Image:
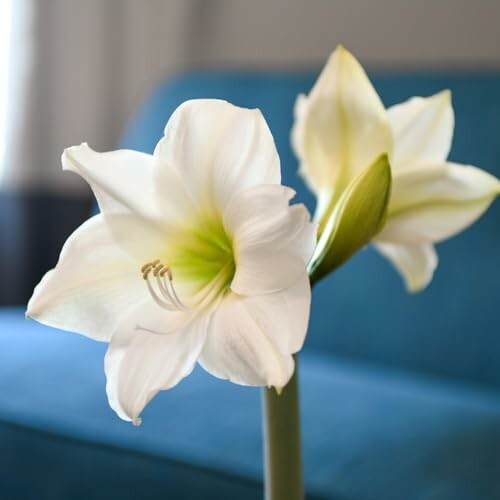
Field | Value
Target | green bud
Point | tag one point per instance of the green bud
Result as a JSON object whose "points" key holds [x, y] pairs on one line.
{"points": [[358, 215]]}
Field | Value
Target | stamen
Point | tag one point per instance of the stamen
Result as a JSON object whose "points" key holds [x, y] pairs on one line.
{"points": [[163, 289], [160, 302], [148, 266], [167, 271], [146, 272], [174, 293], [157, 269], [167, 297]]}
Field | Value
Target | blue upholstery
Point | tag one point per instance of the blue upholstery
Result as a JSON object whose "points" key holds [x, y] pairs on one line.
{"points": [[400, 393], [367, 433]]}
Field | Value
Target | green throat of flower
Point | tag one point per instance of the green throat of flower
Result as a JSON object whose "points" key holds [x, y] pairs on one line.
{"points": [[199, 257]]}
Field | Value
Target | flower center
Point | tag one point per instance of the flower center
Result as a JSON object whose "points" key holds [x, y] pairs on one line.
{"points": [[199, 258]]}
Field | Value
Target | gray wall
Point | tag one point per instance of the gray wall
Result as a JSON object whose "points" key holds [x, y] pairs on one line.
{"points": [[92, 61], [394, 33]]}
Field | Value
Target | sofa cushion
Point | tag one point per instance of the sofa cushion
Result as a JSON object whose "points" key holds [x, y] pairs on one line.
{"points": [[368, 434]]}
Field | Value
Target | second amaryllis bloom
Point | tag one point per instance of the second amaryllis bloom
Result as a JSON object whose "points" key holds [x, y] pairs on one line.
{"points": [[196, 256], [341, 130]]}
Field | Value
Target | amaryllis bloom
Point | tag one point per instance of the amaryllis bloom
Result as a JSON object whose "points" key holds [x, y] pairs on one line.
{"points": [[196, 256], [342, 127]]}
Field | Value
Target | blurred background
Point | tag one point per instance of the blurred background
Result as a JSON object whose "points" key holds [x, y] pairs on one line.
{"points": [[73, 71]]}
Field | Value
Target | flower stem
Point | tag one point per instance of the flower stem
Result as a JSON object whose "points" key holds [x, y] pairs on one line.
{"points": [[282, 448]]}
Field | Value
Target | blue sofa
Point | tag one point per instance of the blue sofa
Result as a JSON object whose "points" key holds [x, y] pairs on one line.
{"points": [[400, 393]]}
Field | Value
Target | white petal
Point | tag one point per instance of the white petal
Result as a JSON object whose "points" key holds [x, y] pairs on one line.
{"points": [[297, 135], [176, 198], [142, 239], [415, 263], [251, 339], [422, 128], [341, 127], [434, 202], [122, 181], [218, 149], [140, 363], [92, 286], [272, 241]]}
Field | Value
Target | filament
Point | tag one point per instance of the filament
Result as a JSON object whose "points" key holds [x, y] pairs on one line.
{"points": [[161, 290]]}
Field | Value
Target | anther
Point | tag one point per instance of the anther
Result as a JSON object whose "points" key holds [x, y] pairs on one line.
{"points": [[146, 267], [157, 269], [167, 297], [168, 272], [146, 271]]}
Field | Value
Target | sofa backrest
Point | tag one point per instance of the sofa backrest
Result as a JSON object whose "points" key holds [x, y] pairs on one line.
{"points": [[363, 311]]}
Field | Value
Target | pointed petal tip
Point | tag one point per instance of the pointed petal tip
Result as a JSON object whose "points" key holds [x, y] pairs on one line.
{"points": [[415, 263], [342, 54], [31, 312], [68, 156], [444, 98], [75, 147], [341, 50], [326, 157], [445, 94], [417, 286], [136, 421], [339, 58], [414, 288]]}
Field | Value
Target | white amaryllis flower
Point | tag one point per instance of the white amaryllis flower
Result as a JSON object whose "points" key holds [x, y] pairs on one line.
{"points": [[196, 256], [342, 127]]}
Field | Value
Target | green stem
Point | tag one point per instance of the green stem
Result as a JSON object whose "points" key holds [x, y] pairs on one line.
{"points": [[282, 448]]}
